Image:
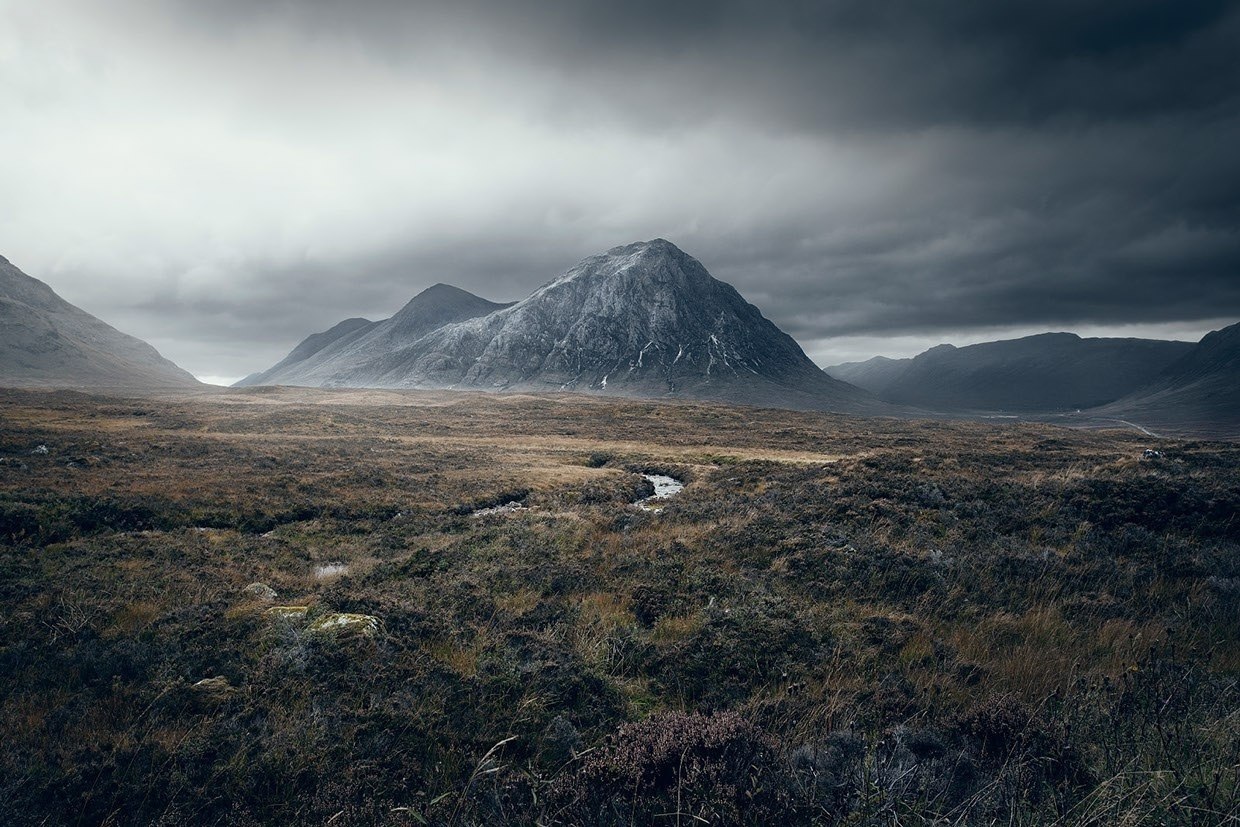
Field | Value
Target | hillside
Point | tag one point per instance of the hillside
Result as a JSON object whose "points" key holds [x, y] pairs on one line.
{"points": [[47, 342], [1198, 394], [1043, 373]]}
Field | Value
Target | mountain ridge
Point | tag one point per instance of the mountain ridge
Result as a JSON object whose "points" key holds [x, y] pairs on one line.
{"points": [[1045, 372], [311, 361], [643, 319], [47, 342]]}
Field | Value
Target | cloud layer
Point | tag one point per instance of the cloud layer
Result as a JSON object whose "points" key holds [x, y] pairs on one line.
{"points": [[224, 178]]}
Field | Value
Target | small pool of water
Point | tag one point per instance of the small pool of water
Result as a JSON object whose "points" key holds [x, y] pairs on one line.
{"points": [[664, 487]]}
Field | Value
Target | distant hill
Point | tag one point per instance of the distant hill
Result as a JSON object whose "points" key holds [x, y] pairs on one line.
{"points": [[47, 342], [875, 375], [1036, 374], [644, 319], [1198, 394]]}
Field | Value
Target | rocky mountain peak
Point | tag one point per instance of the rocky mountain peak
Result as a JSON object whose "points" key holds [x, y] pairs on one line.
{"points": [[641, 319], [648, 251], [441, 292], [435, 306]]}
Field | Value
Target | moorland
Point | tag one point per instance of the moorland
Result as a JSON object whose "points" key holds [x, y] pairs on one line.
{"points": [[292, 606]]}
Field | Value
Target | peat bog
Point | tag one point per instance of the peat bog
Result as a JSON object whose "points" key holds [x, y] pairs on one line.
{"points": [[278, 606]]}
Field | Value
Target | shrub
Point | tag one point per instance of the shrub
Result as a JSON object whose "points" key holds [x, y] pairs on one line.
{"points": [[599, 458], [706, 768]]}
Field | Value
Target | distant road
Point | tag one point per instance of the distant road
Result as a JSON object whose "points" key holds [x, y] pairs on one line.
{"points": [[1140, 428]]}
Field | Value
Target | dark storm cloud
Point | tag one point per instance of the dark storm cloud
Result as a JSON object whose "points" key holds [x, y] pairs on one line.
{"points": [[1129, 213], [854, 168], [838, 65], [1113, 224]]}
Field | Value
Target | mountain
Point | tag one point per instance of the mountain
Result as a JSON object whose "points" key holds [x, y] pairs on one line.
{"points": [[47, 342], [1043, 373], [357, 344], [1198, 394], [642, 320], [875, 375]]}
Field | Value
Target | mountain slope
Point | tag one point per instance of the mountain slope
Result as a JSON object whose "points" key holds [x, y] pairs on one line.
{"points": [[1198, 394], [1043, 373], [315, 342], [309, 346], [356, 342], [644, 319], [47, 342]]}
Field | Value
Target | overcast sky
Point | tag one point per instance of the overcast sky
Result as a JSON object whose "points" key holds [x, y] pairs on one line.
{"points": [[222, 178]]}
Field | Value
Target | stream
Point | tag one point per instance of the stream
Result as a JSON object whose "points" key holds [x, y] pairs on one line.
{"points": [[664, 487]]}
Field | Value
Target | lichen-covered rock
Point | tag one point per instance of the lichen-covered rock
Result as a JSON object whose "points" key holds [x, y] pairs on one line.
{"points": [[345, 623], [261, 591]]}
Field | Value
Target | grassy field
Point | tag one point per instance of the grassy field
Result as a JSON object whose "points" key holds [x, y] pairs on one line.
{"points": [[838, 621]]}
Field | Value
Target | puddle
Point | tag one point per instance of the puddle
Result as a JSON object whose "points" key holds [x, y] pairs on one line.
{"points": [[664, 487], [333, 569]]}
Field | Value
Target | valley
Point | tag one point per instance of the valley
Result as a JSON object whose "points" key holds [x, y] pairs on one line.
{"points": [[560, 414]]}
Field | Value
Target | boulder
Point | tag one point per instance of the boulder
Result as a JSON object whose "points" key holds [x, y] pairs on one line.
{"points": [[261, 591], [345, 623]]}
